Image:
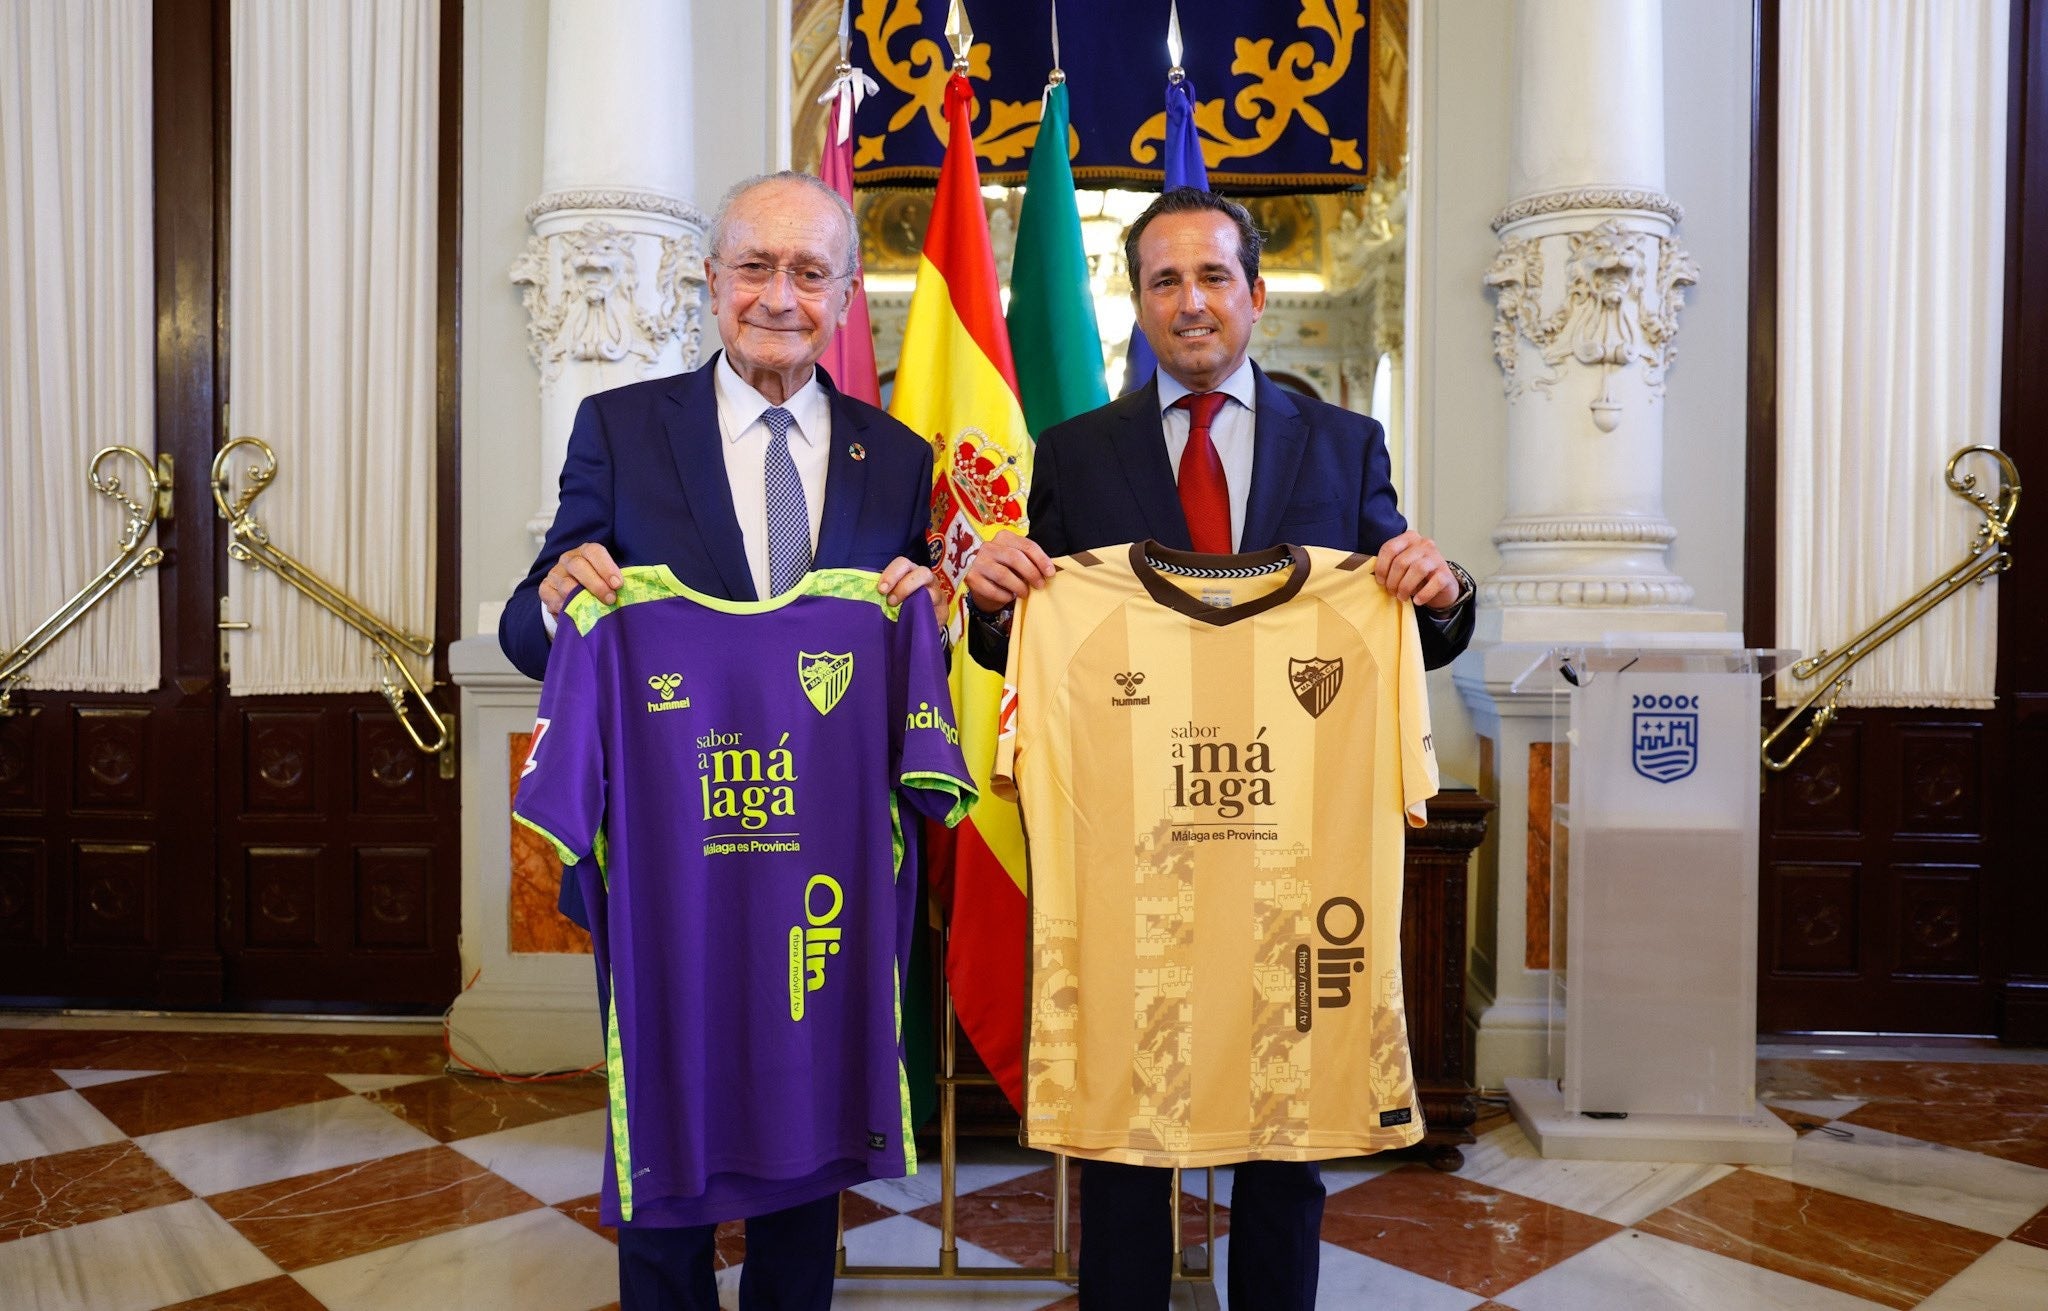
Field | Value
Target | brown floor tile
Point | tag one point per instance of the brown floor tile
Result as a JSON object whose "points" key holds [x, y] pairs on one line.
{"points": [[307, 1053], [316, 1218], [855, 1210], [1856, 1247], [1805, 1122], [1014, 1219], [280, 1294], [585, 1211], [1482, 1240], [1923, 1083], [44, 1193], [28, 1083], [453, 1107], [2034, 1231], [731, 1244], [2016, 1133], [177, 1101]]}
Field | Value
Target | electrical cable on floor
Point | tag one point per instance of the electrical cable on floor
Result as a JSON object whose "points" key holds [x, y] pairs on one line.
{"points": [[482, 1072]]}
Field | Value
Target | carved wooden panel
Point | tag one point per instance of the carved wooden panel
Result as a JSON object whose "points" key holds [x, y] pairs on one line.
{"points": [[20, 782], [281, 768], [1939, 929], [23, 883], [1823, 790], [1536, 903], [390, 772], [113, 894], [394, 907], [1815, 925], [110, 758], [1941, 788], [281, 906]]}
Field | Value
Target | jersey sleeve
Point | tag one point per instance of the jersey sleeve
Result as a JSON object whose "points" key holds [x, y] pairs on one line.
{"points": [[931, 772], [562, 785], [1418, 750]]}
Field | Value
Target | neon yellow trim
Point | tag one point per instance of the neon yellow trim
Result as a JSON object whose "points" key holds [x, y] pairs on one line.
{"points": [[964, 793], [903, 1082], [602, 851], [562, 851], [657, 582], [615, 1080]]}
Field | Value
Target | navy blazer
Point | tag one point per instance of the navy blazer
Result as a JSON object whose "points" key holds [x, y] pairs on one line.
{"points": [[645, 476], [1320, 477]]}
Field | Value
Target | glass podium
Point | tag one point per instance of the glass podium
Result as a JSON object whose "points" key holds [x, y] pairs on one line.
{"points": [[1655, 784]]}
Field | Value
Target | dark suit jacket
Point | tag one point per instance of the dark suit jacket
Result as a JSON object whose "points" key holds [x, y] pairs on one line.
{"points": [[645, 476], [1320, 477]]}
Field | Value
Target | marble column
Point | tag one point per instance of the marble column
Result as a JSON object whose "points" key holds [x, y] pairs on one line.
{"points": [[611, 279], [1589, 281]]}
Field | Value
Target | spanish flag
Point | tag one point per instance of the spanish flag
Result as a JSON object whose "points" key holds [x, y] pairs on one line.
{"points": [[957, 385]]}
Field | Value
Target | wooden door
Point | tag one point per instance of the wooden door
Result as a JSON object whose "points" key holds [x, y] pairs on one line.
{"points": [[185, 848]]}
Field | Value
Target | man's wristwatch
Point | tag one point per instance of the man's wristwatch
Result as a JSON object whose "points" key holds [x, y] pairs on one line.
{"points": [[1466, 587]]}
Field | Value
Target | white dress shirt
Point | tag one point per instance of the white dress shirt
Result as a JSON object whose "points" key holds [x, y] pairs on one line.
{"points": [[1230, 432], [745, 444]]}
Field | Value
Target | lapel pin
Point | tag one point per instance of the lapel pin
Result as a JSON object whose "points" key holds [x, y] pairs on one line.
{"points": [[857, 451]]}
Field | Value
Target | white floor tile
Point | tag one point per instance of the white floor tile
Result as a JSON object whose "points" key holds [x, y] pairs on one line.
{"points": [[929, 1295], [2009, 1277], [555, 1160], [535, 1261], [255, 1149], [50, 1123], [93, 1078], [144, 1259], [1821, 1111], [900, 1240], [1339, 1175], [1984, 1193], [1351, 1280], [1634, 1271], [1621, 1191]]}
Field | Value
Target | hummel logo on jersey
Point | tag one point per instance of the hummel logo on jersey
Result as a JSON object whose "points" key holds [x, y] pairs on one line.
{"points": [[1130, 683], [666, 684], [1315, 683], [825, 676]]}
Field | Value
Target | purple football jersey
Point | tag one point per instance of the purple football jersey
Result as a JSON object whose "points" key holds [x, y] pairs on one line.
{"points": [[740, 770]]}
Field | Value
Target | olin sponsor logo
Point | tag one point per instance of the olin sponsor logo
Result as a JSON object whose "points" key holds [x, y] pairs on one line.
{"points": [[666, 685], [813, 940], [1339, 922]]}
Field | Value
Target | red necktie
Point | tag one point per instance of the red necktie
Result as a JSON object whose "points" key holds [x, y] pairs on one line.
{"points": [[1204, 491]]}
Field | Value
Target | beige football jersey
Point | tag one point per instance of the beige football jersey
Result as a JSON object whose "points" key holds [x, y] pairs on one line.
{"points": [[1214, 760]]}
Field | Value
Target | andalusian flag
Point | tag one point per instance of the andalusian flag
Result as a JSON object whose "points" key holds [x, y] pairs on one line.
{"points": [[956, 385], [1052, 308]]}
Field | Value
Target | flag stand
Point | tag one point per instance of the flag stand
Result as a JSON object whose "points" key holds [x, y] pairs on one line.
{"points": [[1190, 1265]]}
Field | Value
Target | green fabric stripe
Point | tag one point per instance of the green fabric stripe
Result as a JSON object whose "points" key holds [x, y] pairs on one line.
{"points": [[903, 1084], [615, 1079], [963, 792], [1051, 306], [562, 852], [602, 852]]}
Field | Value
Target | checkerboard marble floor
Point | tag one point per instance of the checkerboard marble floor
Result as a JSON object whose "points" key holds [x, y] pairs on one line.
{"points": [[340, 1166]]}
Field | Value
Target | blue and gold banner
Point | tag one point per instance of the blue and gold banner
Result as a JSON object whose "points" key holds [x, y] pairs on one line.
{"points": [[1284, 88]]}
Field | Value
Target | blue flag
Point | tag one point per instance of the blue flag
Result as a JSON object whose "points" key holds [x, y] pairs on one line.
{"points": [[1184, 168]]}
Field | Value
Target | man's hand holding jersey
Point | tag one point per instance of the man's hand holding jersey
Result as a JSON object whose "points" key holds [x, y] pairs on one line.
{"points": [[591, 567]]}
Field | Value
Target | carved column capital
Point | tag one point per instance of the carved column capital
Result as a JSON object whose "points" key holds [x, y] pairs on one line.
{"points": [[585, 303]]}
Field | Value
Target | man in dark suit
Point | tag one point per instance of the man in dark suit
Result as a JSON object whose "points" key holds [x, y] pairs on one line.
{"points": [[740, 477], [1210, 456]]}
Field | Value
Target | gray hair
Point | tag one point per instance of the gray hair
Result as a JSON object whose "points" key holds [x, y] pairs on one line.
{"points": [[741, 188]]}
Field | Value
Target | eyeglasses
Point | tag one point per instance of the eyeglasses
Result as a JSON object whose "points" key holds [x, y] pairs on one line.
{"points": [[808, 280]]}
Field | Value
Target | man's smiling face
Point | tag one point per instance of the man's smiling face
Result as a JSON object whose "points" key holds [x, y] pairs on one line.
{"points": [[775, 330], [1194, 305]]}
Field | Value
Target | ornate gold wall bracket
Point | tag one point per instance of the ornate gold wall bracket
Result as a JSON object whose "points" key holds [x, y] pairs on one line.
{"points": [[138, 554], [1989, 556], [250, 543]]}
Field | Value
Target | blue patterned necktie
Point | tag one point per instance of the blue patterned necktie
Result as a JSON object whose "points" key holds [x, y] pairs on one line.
{"points": [[789, 521]]}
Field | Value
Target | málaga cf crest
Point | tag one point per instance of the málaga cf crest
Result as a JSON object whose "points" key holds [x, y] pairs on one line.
{"points": [[1315, 683], [824, 676]]}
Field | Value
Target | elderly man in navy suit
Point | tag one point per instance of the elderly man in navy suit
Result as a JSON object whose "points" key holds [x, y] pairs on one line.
{"points": [[739, 477], [1210, 456]]}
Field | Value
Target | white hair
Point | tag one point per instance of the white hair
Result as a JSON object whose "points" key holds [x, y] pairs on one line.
{"points": [[741, 188]]}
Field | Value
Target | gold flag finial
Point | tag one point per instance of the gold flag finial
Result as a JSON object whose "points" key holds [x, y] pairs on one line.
{"points": [[1173, 46], [845, 36], [959, 34]]}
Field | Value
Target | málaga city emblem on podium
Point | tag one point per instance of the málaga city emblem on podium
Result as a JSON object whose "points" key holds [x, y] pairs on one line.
{"points": [[1315, 683], [1666, 737], [825, 675]]}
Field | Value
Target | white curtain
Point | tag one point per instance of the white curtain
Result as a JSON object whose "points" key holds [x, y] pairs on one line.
{"points": [[77, 327], [331, 269], [1891, 244]]}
